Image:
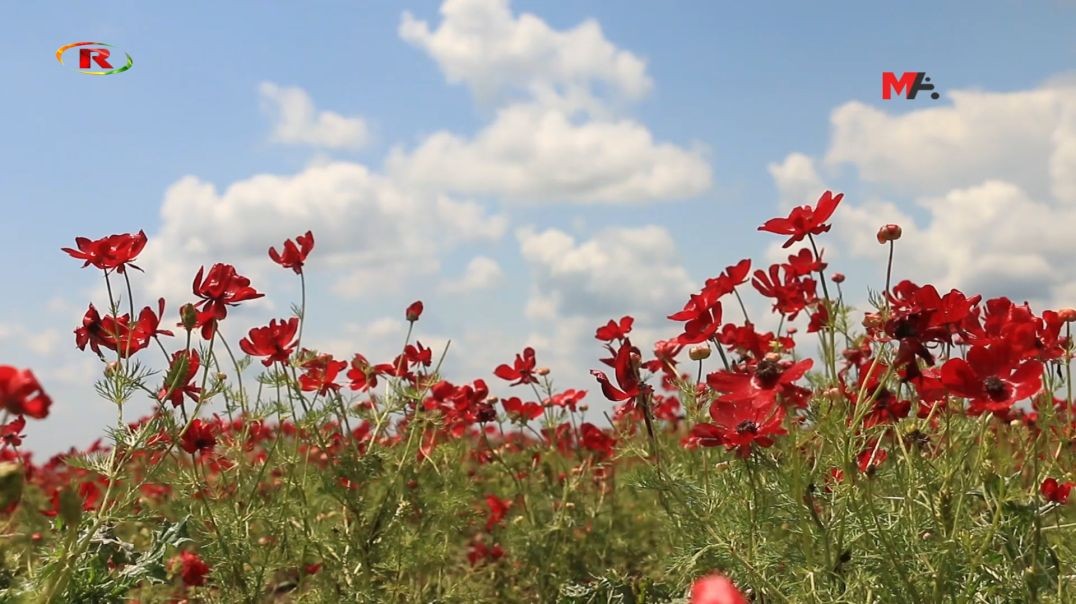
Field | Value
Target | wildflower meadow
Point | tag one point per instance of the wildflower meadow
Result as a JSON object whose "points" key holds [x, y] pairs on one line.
{"points": [[919, 449]]}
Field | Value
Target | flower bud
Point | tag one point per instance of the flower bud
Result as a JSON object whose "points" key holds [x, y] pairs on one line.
{"points": [[700, 352], [890, 232], [543, 371], [1067, 315], [838, 277], [188, 314], [414, 311]]}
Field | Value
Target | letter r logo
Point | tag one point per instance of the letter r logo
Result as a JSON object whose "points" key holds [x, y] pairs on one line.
{"points": [[97, 55]]}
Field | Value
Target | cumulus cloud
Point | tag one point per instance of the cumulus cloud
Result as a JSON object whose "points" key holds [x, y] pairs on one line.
{"points": [[482, 272], [984, 188], [481, 44], [1025, 137], [532, 153], [558, 133], [992, 238], [364, 224], [797, 180], [618, 271], [296, 121]]}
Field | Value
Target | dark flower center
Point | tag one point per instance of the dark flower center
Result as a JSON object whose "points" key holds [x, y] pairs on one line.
{"points": [[747, 426], [768, 372], [995, 388]]}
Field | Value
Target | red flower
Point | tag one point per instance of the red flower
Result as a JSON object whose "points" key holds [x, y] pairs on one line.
{"points": [[522, 371], [1056, 492], [768, 379], [805, 220], [497, 509], [740, 424], [520, 411], [615, 330], [320, 376], [192, 569], [177, 382], [569, 398], [117, 333], [275, 342], [702, 316], [11, 433], [222, 287], [595, 439], [870, 458], [21, 394], [363, 375], [716, 589], [991, 378], [294, 255], [112, 252], [414, 311], [627, 376], [198, 437]]}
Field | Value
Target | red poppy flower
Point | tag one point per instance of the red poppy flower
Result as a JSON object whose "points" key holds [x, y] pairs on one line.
{"points": [[1055, 491], [991, 379], [497, 509], [295, 252], [320, 375], [791, 294], [220, 288], [716, 589], [871, 458], [805, 220], [276, 341], [11, 433], [569, 398], [760, 385], [522, 370], [615, 330], [520, 411], [199, 436], [741, 424], [628, 384], [702, 316], [363, 374], [595, 439], [414, 311], [22, 394], [112, 252], [178, 381], [192, 569]]}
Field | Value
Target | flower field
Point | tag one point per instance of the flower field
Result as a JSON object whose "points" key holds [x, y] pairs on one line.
{"points": [[921, 449]]}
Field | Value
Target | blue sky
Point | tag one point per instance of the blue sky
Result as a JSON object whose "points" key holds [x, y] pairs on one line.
{"points": [[592, 159]]}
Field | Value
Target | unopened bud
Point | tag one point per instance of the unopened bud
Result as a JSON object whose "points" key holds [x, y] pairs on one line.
{"points": [[414, 311], [700, 352], [838, 277], [890, 232], [543, 371], [188, 314], [1067, 315]]}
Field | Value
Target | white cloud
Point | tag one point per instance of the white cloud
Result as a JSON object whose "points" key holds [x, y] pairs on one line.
{"points": [[296, 121], [1025, 137], [482, 272], [481, 44], [619, 271], [533, 153], [364, 226], [797, 180], [992, 238]]}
